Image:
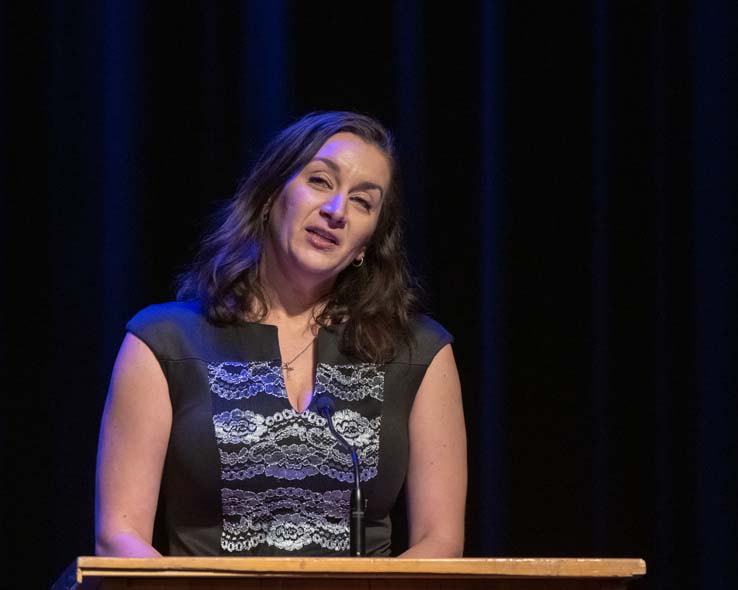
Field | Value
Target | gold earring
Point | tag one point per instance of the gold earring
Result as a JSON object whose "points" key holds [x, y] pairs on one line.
{"points": [[361, 261]]}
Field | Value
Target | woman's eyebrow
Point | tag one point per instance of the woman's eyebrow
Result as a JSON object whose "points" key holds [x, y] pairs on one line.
{"points": [[366, 185], [331, 164]]}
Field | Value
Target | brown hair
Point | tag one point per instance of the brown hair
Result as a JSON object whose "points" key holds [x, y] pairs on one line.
{"points": [[373, 302]]}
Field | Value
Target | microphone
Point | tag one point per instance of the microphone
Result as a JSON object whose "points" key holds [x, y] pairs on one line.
{"points": [[357, 524]]}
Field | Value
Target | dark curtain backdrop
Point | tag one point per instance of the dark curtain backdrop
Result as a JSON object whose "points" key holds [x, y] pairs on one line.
{"points": [[571, 204]]}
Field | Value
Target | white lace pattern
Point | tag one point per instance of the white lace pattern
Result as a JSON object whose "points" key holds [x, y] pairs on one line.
{"points": [[288, 446]]}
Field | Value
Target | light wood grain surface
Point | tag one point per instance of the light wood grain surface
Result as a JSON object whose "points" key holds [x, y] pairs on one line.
{"points": [[359, 567]]}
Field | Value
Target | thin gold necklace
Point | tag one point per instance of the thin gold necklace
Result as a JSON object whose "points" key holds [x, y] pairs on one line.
{"points": [[288, 365]]}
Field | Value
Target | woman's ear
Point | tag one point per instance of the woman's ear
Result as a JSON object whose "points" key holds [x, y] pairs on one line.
{"points": [[267, 209]]}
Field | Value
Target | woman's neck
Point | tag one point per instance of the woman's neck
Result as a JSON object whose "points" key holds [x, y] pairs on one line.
{"points": [[290, 302]]}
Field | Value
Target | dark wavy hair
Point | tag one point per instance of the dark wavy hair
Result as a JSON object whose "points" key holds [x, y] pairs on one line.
{"points": [[373, 302]]}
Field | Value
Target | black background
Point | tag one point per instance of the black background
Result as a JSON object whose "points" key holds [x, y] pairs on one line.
{"points": [[570, 179]]}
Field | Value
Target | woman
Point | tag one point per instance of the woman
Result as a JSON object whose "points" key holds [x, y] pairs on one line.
{"points": [[299, 291]]}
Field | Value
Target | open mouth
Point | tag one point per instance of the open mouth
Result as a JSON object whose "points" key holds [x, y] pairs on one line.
{"points": [[324, 236]]}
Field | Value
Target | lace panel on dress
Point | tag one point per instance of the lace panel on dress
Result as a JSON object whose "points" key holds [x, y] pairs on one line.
{"points": [[262, 442], [285, 518], [230, 380]]}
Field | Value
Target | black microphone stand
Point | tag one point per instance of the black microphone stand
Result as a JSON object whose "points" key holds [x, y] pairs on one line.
{"points": [[357, 524]]}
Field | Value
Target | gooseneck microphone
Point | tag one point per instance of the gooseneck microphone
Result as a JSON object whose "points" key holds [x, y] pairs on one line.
{"points": [[357, 524]]}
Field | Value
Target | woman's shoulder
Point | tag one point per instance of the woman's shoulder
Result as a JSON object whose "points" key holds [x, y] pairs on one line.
{"points": [[165, 327], [424, 326], [169, 312], [428, 336]]}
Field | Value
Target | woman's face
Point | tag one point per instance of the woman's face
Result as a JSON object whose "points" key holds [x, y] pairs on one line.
{"points": [[327, 212]]}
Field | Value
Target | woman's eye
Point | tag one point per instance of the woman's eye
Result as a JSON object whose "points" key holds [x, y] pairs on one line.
{"points": [[363, 202], [320, 180]]}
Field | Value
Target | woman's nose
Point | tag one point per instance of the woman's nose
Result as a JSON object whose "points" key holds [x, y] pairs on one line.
{"points": [[335, 208]]}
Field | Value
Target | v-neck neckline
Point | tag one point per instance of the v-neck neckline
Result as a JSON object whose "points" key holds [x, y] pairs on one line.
{"points": [[275, 353], [277, 357], [313, 380]]}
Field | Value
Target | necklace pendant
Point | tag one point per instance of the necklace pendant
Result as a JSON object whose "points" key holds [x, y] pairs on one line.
{"points": [[286, 367]]}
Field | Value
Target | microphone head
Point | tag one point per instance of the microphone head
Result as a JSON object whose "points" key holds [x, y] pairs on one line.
{"points": [[325, 402]]}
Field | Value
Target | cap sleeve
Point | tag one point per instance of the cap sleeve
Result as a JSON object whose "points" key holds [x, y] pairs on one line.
{"points": [[429, 337], [162, 328]]}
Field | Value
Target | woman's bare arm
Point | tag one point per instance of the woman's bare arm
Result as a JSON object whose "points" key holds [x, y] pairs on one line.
{"points": [[436, 479], [133, 441]]}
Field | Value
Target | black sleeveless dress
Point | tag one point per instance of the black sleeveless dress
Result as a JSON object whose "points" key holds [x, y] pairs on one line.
{"points": [[245, 474]]}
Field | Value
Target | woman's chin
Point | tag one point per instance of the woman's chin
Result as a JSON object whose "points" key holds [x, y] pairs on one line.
{"points": [[318, 269]]}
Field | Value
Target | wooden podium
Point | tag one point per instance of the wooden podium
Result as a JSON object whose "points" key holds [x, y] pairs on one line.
{"points": [[328, 573]]}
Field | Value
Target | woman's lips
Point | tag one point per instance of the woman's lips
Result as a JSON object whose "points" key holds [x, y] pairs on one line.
{"points": [[319, 240]]}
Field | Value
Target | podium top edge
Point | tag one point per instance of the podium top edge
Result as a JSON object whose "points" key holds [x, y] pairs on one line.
{"points": [[348, 566]]}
